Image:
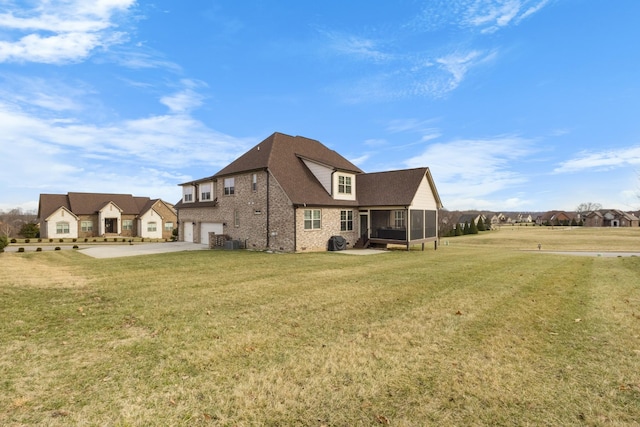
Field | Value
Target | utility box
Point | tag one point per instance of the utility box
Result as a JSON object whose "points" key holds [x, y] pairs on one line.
{"points": [[231, 245]]}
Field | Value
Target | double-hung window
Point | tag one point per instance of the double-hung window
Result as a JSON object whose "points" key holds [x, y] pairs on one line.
{"points": [[168, 226], [399, 219], [229, 186], [127, 224], [312, 219], [86, 226], [344, 184], [346, 220], [62, 228], [205, 192], [152, 226], [254, 182]]}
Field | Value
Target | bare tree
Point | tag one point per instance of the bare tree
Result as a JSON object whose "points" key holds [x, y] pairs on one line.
{"points": [[588, 207]]}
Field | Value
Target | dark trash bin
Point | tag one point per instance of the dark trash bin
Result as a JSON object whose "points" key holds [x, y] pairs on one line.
{"points": [[337, 243]]}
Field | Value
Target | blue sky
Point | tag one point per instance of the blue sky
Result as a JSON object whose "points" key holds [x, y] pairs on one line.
{"points": [[514, 105]]}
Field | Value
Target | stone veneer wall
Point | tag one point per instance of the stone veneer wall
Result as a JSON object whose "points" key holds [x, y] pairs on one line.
{"points": [[318, 240]]}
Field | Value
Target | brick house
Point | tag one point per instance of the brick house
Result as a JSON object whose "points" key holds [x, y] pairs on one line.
{"points": [[291, 193], [83, 215], [610, 218]]}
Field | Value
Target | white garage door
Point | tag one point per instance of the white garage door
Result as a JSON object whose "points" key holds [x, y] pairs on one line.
{"points": [[209, 227], [188, 232]]}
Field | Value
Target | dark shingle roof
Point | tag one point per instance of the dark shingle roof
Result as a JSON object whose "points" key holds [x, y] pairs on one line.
{"points": [[90, 203], [392, 188], [282, 155]]}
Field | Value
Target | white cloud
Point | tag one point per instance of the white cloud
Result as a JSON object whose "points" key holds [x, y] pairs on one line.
{"points": [[602, 160], [357, 47], [58, 31], [468, 170]]}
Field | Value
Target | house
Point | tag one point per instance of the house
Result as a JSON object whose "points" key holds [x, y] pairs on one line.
{"points": [[83, 215], [291, 193], [610, 218], [468, 218], [556, 218]]}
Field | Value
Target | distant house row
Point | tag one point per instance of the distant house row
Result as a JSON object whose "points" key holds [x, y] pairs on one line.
{"points": [[597, 218], [84, 215]]}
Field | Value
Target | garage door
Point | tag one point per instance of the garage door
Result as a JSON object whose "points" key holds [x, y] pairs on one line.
{"points": [[188, 232], [209, 227]]}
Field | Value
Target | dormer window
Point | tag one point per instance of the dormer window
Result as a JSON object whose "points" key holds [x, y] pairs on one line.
{"points": [[205, 192], [187, 194], [344, 184]]}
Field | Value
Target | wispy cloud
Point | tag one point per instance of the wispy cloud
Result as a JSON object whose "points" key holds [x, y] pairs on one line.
{"points": [[487, 16], [186, 99], [467, 170], [58, 31], [601, 160], [357, 47]]}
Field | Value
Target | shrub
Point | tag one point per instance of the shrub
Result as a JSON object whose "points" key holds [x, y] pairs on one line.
{"points": [[75, 246], [74, 240], [4, 242], [14, 241], [38, 249], [39, 240], [29, 230], [106, 240], [20, 249], [61, 240], [50, 240], [27, 240], [86, 240], [57, 248]]}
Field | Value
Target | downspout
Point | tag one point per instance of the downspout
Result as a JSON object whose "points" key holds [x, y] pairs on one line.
{"points": [[268, 212]]}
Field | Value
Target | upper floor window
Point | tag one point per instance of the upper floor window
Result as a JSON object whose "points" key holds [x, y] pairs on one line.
{"points": [[344, 184], [187, 194], [205, 192], [254, 182], [312, 219], [229, 186]]}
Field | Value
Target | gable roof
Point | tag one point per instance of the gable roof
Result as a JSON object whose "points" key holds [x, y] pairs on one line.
{"points": [[90, 203], [283, 156], [392, 188]]}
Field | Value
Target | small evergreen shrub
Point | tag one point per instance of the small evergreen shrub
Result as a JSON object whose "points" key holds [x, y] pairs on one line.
{"points": [[61, 240], [74, 240], [39, 240], [50, 240], [86, 240], [14, 241], [27, 240], [38, 249], [57, 248], [75, 246], [20, 249]]}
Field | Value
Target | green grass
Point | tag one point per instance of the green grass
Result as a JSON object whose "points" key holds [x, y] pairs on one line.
{"points": [[478, 332]]}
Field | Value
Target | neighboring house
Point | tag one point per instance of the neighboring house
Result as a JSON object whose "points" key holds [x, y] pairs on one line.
{"points": [[294, 194], [610, 218], [556, 218], [83, 215], [467, 218], [524, 218]]}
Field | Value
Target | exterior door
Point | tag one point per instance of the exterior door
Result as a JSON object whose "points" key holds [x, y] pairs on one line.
{"points": [[188, 232], [364, 225], [110, 225]]}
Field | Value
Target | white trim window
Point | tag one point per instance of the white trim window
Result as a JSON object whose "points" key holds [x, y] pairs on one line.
{"points": [[399, 219], [205, 192], [229, 186], [187, 194], [312, 219], [168, 226], [152, 226], [86, 226], [344, 184], [346, 220], [62, 227], [127, 224]]}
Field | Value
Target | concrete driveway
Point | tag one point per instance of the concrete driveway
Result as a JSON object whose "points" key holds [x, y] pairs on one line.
{"points": [[116, 251]]}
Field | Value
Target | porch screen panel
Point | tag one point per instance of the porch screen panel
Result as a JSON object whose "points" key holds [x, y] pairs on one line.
{"points": [[417, 224], [379, 220], [431, 223]]}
